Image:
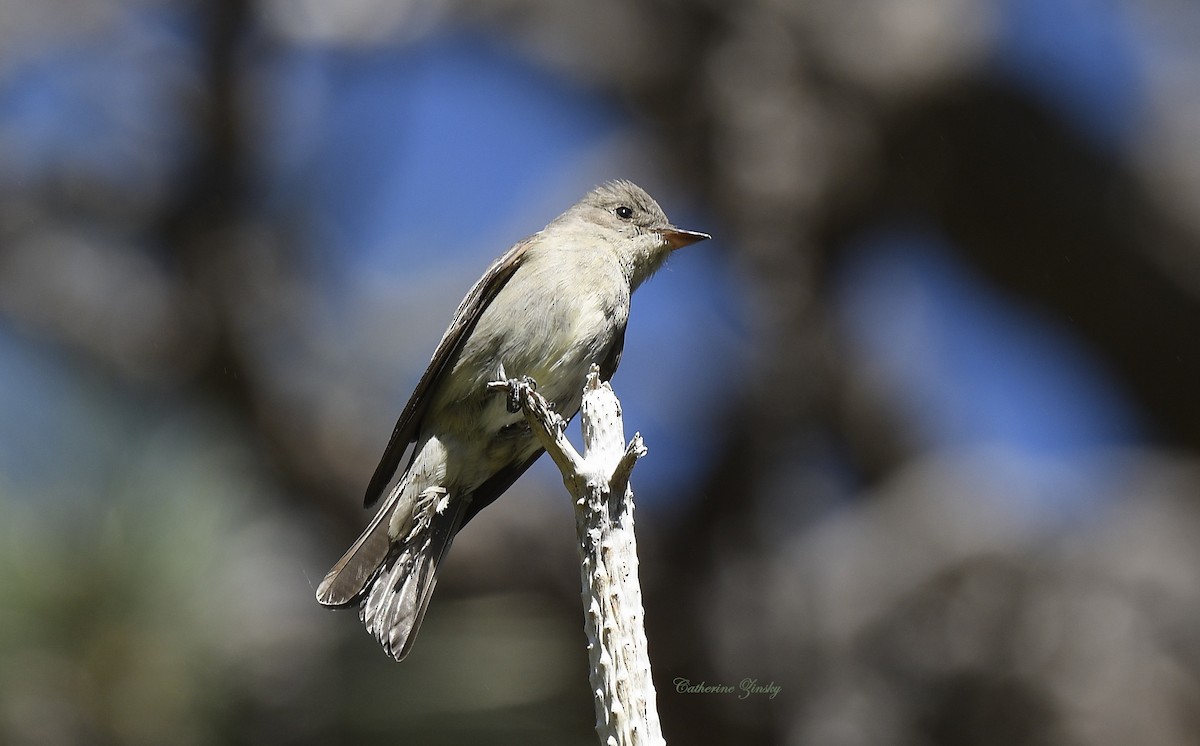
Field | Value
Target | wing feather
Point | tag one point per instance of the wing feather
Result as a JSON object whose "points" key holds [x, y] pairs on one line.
{"points": [[465, 319]]}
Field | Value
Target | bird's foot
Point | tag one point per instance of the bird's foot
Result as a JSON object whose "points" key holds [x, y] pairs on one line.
{"points": [[516, 392]]}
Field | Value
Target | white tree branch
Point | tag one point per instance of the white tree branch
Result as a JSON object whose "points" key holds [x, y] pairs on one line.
{"points": [[626, 705]]}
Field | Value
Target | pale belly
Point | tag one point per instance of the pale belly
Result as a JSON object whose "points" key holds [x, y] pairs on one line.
{"points": [[480, 435]]}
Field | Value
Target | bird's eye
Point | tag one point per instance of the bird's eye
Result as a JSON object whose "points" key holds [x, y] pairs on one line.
{"points": [[624, 213]]}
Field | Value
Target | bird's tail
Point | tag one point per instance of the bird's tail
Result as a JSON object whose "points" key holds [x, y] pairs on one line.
{"points": [[394, 578], [346, 582]]}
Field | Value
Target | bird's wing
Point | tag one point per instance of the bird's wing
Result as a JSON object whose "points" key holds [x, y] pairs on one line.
{"points": [[465, 318]]}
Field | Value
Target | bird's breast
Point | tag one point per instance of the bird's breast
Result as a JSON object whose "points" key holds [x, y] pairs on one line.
{"points": [[551, 322]]}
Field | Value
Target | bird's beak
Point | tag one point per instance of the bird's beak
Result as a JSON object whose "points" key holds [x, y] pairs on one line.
{"points": [[677, 238]]}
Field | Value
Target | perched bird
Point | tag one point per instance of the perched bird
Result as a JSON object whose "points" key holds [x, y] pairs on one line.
{"points": [[553, 305]]}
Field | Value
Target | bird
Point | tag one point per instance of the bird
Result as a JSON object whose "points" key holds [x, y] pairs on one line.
{"points": [[549, 308]]}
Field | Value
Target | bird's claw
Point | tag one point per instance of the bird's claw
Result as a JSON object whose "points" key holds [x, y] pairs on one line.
{"points": [[516, 392]]}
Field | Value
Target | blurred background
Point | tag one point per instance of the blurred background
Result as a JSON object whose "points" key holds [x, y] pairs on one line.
{"points": [[923, 417]]}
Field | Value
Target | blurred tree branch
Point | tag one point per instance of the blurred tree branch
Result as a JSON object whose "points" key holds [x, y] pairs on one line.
{"points": [[206, 230], [1053, 219]]}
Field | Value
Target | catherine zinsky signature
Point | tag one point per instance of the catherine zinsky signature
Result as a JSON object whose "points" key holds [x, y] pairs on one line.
{"points": [[744, 688]]}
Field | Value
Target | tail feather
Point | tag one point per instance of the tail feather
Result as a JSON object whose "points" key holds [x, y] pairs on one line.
{"points": [[399, 593], [401, 512], [346, 582], [392, 568]]}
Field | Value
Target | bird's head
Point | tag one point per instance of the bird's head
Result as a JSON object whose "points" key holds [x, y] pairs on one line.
{"points": [[633, 224]]}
